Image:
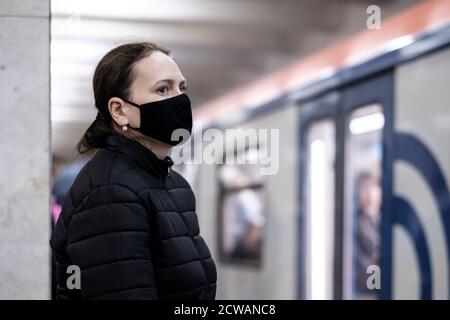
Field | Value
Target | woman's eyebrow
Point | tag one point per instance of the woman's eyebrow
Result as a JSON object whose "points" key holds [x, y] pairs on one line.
{"points": [[170, 81]]}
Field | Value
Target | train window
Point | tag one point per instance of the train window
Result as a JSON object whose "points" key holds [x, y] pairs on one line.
{"points": [[320, 208], [242, 211], [362, 200]]}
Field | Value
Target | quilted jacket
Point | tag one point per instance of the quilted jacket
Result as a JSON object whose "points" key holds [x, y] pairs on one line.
{"points": [[129, 224]]}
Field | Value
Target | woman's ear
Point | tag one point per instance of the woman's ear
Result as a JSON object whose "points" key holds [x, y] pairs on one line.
{"points": [[116, 108]]}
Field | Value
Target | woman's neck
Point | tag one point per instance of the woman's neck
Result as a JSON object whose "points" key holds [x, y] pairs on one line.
{"points": [[161, 150]]}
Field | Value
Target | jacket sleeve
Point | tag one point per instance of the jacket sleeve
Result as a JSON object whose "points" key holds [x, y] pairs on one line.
{"points": [[109, 240]]}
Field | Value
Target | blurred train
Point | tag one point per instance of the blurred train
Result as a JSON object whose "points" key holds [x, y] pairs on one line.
{"points": [[360, 206]]}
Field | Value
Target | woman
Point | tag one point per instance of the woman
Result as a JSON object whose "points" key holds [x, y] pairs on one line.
{"points": [[129, 221]]}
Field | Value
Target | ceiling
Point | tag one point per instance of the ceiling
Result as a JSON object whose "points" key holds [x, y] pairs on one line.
{"points": [[218, 44]]}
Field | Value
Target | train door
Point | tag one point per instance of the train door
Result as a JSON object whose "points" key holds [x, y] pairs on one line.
{"points": [[363, 259], [345, 149], [318, 136]]}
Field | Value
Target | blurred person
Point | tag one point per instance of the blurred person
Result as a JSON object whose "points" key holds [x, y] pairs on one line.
{"points": [[58, 164], [367, 233], [65, 177], [55, 207], [248, 245], [129, 221]]}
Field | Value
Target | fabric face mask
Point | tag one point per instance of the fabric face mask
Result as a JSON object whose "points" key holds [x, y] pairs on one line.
{"points": [[159, 119]]}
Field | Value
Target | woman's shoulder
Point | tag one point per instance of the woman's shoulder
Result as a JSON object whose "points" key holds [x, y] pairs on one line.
{"points": [[103, 170]]}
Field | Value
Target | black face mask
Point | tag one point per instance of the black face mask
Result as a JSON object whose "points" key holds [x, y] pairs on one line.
{"points": [[159, 119]]}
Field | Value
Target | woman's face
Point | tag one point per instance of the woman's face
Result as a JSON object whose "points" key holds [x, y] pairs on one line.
{"points": [[156, 77]]}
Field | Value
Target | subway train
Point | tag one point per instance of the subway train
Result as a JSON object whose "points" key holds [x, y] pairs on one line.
{"points": [[360, 205]]}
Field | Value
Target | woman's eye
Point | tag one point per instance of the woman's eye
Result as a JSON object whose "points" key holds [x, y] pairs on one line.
{"points": [[183, 88], [164, 89]]}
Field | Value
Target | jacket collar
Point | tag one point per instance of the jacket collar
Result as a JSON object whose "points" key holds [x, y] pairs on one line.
{"points": [[139, 154]]}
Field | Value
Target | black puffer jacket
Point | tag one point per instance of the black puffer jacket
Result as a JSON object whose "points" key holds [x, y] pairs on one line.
{"points": [[129, 223]]}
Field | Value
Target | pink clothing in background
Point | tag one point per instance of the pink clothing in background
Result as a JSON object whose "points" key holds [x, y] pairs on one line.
{"points": [[55, 209]]}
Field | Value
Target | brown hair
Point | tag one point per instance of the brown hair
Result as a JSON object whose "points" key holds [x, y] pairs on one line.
{"points": [[113, 77]]}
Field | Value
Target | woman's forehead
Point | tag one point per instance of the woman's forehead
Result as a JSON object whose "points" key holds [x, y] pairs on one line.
{"points": [[156, 67]]}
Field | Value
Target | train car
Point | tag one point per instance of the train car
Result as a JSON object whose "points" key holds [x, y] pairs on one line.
{"points": [[360, 206]]}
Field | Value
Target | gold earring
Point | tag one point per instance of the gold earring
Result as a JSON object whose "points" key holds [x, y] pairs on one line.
{"points": [[124, 128]]}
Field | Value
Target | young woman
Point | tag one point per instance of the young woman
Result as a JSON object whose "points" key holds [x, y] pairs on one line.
{"points": [[128, 223]]}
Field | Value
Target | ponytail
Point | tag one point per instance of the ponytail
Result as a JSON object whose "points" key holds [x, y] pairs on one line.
{"points": [[95, 135]]}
